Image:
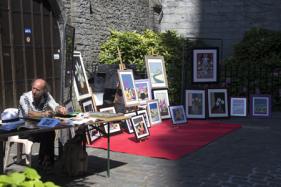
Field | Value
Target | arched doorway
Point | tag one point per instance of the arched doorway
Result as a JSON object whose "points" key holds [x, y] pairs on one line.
{"points": [[29, 38]]}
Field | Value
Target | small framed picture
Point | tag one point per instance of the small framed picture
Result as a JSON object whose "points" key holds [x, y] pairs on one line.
{"points": [[238, 106], [143, 89], [140, 127], [153, 112], [108, 109], [217, 103], [129, 122], [93, 134], [156, 71], [163, 100], [260, 105], [113, 127], [195, 104], [178, 114], [128, 87], [144, 113], [81, 85], [205, 65], [88, 106]]}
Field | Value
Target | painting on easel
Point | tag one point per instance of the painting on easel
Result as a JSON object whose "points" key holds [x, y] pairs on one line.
{"points": [[128, 87]]}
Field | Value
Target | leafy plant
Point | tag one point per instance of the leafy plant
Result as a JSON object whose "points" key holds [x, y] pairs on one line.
{"points": [[134, 46], [28, 178]]}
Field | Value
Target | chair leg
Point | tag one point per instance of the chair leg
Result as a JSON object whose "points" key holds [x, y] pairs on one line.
{"points": [[7, 155], [19, 152], [28, 151]]}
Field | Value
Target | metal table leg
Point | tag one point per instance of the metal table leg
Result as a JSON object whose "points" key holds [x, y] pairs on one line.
{"points": [[108, 150], [2, 155]]}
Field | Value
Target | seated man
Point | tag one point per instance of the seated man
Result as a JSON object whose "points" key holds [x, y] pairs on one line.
{"points": [[38, 103]]}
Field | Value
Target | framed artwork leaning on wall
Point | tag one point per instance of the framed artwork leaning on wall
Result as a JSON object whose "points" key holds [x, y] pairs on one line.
{"points": [[205, 65], [260, 105], [238, 106], [217, 103], [195, 103]]}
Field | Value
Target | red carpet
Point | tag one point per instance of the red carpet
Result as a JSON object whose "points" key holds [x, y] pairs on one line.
{"points": [[169, 142]]}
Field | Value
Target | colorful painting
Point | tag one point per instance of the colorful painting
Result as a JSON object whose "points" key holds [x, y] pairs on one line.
{"points": [[163, 99], [128, 87], [143, 89], [156, 71], [154, 112], [140, 127]]}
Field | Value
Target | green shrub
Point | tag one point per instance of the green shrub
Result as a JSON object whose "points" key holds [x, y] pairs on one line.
{"points": [[134, 46], [28, 178]]}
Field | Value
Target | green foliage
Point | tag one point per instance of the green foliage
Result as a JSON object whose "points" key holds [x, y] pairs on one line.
{"points": [[28, 178], [260, 47], [134, 46], [257, 63]]}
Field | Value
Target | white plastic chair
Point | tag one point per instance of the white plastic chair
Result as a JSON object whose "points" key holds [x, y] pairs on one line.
{"points": [[27, 150]]}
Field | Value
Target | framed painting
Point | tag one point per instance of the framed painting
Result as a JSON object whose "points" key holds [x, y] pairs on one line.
{"points": [[260, 105], [217, 103], [129, 122], [140, 127], [93, 134], [88, 106], [195, 104], [108, 109], [81, 85], [238, 106], [128, 87], [156, 71], [163, 99], [205, 65], [143, 89], [178, 114], [145, 116], [153, 112], [69, 35], [113, 127]]}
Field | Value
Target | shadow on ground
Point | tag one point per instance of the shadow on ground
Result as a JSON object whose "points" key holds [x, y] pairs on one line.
{"points": [[96, 166]]}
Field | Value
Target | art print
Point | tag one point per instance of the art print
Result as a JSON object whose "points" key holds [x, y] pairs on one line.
{"points": [[128, 87]]}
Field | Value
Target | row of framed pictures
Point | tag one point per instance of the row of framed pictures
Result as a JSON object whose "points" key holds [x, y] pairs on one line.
{"points": [[217, 103]]}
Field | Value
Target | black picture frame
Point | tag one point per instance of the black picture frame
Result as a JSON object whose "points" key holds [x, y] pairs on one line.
{"points": [[205, 62]]}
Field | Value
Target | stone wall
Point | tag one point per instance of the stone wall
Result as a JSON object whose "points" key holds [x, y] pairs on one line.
{"points": [[94, 19], [219, 23]]}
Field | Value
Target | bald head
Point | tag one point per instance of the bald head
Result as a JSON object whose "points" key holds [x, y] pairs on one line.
{"points": [[39, 88]]}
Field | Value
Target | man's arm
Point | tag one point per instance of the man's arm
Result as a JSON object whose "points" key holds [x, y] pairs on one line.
{"points": [[55, 106], [25, 109]]}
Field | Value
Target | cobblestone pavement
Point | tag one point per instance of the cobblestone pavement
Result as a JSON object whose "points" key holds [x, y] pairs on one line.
{"points": [[250, 156]]}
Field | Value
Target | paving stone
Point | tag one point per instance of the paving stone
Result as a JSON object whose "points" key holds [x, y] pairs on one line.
{"points": [[247, 157]]}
